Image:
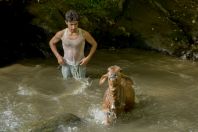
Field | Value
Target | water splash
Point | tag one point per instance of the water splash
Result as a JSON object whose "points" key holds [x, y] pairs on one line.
{"points": [[62, 128], [8, 119], [25, 91], [96, 114], [13, 114], [84, 84]]}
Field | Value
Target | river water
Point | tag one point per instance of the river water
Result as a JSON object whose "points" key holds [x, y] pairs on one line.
{"points": [[166, 93]]}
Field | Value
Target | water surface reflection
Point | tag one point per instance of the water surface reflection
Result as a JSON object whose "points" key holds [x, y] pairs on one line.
{"points": [[166, 90]]}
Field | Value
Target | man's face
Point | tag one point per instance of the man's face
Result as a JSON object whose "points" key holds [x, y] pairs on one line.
{"points": [[72, 26]]}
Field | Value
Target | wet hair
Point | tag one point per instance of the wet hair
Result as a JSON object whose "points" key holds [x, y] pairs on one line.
{"points": [[71, 15]]}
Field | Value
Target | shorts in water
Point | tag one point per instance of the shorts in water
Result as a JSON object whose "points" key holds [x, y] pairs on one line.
{"points": [[77, 71]]}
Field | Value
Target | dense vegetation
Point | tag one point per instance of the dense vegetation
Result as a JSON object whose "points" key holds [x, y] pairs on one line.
{"points": [[167, 26]]}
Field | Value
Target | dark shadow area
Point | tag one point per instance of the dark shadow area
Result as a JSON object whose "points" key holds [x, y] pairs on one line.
{"points": [[19, 39]]}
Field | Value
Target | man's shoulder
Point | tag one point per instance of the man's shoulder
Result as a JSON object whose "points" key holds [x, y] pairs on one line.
{"points": [[83, 31], [61, 32]]}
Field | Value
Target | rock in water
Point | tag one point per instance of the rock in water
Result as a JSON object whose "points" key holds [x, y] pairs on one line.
{"points": [[51, 124]]}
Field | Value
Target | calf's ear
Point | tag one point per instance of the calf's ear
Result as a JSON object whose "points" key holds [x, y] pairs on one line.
{"points": [[103, 79]]}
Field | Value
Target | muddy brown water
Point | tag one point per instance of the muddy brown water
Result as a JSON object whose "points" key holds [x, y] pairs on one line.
{"points": [[166, 93]]}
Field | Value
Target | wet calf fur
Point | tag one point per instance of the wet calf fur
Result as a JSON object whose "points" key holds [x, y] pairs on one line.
{"points": [[119, 96]]}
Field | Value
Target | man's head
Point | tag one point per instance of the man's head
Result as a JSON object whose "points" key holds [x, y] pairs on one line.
{"points": [[71, 19], [71, 15]]}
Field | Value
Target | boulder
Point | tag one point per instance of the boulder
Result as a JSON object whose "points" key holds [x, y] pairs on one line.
{"points": [[53, 123]]}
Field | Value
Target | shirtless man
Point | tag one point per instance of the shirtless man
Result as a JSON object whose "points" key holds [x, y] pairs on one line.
{"points": [[73, 42]]}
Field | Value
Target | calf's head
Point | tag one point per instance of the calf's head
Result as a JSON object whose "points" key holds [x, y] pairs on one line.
{"points": [[113, 75]]}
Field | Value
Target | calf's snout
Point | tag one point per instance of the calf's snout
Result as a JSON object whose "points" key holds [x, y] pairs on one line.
{"points": [[113, 106], [112, 76]]}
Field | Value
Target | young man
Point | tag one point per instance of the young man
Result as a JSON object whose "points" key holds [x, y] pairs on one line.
{"points": [[73, 42]]}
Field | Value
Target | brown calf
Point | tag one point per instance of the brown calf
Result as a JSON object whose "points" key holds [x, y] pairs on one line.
{"points": [[119, 96]]}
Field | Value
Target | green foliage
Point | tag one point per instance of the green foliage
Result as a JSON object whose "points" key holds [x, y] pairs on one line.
{"points": [[105, 4], [102, 7], [50, 14]]}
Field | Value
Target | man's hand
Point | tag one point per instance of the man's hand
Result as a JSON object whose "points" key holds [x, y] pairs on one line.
{"points": [[84, 61], [60, 60]]}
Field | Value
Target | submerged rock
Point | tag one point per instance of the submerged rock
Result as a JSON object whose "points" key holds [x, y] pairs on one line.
{"points": [[53, 123]]}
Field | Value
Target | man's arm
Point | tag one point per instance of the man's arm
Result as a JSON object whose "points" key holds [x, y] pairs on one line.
{"points": [[55, 39], [93, 44]]}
